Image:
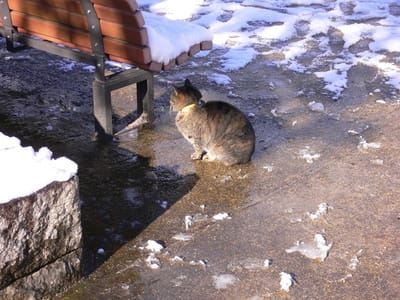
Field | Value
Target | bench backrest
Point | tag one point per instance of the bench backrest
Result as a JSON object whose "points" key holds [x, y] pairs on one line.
{"points": [[124, 36]]}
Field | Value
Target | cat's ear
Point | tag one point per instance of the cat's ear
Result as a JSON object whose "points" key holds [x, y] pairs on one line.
{"points": [[175, 90], [197, 94], [187, 83]]}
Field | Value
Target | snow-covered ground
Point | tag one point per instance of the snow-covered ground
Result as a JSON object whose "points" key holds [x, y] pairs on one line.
{"points": [[366, 32], [345, 32]]}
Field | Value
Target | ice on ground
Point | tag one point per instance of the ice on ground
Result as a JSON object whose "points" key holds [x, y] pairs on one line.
{"points": [[224, 281], [153, 262], [200, 262], [335, 78], [189, 220], [377, 162], [316, 106], [220, 79], [354, 261], [246, 28], [154, 246], [268, 168], [308, 155], [25, 171], [251, 264], [221, 216], [177, 258], [236, 59], [317, 250], [286, 282], [364, 145], [321, 211], [380, 101], [182, 237]]}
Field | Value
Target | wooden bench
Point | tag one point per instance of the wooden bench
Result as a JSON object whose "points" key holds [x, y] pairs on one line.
{"points": [[93, 31]]}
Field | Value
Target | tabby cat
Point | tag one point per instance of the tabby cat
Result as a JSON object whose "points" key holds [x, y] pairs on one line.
{"points": [[217, 130]]}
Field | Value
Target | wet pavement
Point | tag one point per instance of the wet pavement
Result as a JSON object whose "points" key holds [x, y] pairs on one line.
{"points": [[145, 187]]}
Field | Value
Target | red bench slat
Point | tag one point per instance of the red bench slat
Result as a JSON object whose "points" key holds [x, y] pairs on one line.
{"points": [[125, 38], [45, 12]]}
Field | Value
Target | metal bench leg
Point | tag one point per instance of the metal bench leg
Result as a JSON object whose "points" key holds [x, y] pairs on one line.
{"points": [[102, 110], [145, 96]]}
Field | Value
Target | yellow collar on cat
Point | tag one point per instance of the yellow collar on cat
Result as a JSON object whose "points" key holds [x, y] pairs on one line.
{"points": [[188, 107]]}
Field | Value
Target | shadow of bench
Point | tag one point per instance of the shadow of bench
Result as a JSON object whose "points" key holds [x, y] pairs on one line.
{"points": [[92, 32]]}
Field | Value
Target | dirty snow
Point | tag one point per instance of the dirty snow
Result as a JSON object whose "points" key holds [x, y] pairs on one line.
{"points": [[354, 261], [286, 281], [182, 237], [308, 155], [245, 29], [316, 106], [317, 250], [250, 264], [153, 262], [25, 171], [188, 221], [321, 211], [268, 168], [364, 145], [154, 246], [221, 216], [224, 281]]}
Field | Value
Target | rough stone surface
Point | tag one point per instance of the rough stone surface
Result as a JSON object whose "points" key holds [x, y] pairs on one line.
{"points": [[40, 241], [49, 280]]}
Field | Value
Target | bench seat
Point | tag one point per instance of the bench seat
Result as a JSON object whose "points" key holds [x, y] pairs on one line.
{"points": [[101, 30]]}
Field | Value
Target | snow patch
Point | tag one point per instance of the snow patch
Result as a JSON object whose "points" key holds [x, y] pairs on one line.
{"points": [[318, 250], [25, 171], [154, 246], [224, 281], [286, 281], [321, 211], [222, 216], [308, 155], [364, 145]]}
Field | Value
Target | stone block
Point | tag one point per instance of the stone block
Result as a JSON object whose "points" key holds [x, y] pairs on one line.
{"points": [[40, 242]]}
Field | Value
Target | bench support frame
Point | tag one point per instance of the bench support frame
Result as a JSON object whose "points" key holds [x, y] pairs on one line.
{"points": [[102, 85]]}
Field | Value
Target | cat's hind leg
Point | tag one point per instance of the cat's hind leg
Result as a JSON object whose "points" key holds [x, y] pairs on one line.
{"points": [[197, 155]]}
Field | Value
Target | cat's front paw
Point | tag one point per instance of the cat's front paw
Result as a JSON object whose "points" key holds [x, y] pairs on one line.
{"points": [[197, 156]]}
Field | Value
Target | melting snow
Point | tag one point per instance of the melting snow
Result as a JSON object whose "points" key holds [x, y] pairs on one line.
{"points": [[353, 263], [363, 145], [308, 155], [182, 237], [286, 282], [154, 246], [169, 38], [316, 106], [244, 29], [221, 216], [321, 211], [25, 171], [188, 222], [317, 250], [224, 281], [153, 262]]}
